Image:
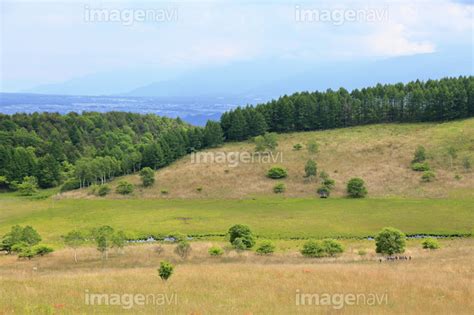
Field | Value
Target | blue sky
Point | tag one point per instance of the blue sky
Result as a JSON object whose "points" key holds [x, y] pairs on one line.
{"points": [[53, 42]]}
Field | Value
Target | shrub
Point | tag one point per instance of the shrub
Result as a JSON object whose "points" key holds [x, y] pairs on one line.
{"points": [[266, 248], [356, 188], [428, 176], [420, 167], [70, 184], [323, 175], [239, 244], [183, 249], [310, 169], [166, 270], [312, 249], [243, 233], [332, 247], [329, 183], [28, 187], [124, 188], [164, 191], [26, 253], [430, 243], [21, 236], [277, 173], [103, 190], [199, 189], [147, 176], [215, 251], [297, 147], [265, 143], [42, 250], [19, 247], [390, 241], [466, 163], [362, 252], [420, 155], [324, 191], [279, 188], [312, 147]]}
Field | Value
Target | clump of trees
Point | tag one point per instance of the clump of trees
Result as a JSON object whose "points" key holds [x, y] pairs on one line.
{"points": [[241, 237], [390, 241], [356, 188], [317, 249], [24, 241]]}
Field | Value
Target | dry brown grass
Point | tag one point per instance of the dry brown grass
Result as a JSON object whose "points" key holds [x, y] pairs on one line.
{"points": [[379, 154], [433, 282]]}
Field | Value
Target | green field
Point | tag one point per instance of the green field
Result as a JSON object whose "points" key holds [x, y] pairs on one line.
{"points": [[275, 218]]}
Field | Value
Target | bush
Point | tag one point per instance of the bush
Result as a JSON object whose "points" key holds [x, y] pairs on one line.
{"points": [[215, 251], [430, 243], [420, 155], [297, 147], [28, 187], [277, 173], [356, 188], [70, 184], [312, 249], [148, 176], [428, 176], [362, 252], [329, 183], [332, 247], [26, 253], [390, 241], [311, 169], [279, 188], [183, 249], [420, 167], [199, 189], [166, 270], [242, 232], [239, 244], [466, 163], [324, 191], [164, 191], [42, 250], [312, 147], [266, 248], [103, 190], [124, 188]]}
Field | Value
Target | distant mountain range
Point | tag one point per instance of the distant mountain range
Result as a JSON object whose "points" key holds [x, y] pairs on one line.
{"points": [[259, 81]]}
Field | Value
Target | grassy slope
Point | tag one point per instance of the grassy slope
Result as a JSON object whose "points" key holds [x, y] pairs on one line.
{"points": [[380, 154]]}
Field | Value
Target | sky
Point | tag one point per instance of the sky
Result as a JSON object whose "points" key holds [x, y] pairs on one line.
{"points": [[122, 45]]}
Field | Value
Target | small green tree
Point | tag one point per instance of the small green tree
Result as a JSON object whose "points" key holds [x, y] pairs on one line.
{"points": [[242, 232], [103, 237], [148, 176], [297, 147], [310, 169], [166, 270], [277, 172], [183, 249], [74, 239], [28, 187], [356, 188], [428, 176], [390, 241], [420, 155], [266, 248], [312, 249], [124, 188], [119, 239], [430, 243], [332, 247]]}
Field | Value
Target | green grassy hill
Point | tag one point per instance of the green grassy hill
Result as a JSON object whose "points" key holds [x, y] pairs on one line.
{"points": [[380, 154]]}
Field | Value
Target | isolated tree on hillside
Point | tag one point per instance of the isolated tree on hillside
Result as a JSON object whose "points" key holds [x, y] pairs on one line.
{"points": [[420, 155], [356, 188], [74, 239], [148, 176], [310, 169]]}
